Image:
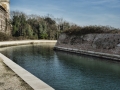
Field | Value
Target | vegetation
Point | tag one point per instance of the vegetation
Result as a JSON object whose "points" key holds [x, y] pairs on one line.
{"points": [[4, 37], [47, 27], [77, 30], [36, 27]]}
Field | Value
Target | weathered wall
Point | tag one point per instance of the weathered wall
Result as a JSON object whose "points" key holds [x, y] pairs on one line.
{"points": [[4, 17], [105, 43]]}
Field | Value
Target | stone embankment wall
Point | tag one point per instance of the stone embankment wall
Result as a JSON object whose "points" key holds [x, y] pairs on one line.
{"points": [[5, 26], [99, 43]]}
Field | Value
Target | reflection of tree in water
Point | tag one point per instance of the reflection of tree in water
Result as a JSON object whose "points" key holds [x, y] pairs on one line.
{"points": [[19, 53], [88, 63], [44, 51]]}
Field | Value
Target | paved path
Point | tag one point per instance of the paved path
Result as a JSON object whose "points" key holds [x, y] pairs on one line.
{"points": [[23, 42]]}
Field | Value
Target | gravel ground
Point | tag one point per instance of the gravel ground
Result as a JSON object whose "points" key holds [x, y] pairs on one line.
{"points": [[10, 81]]}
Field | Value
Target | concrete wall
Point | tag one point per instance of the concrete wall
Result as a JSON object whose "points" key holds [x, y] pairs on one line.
{"points": [[24, 42]]}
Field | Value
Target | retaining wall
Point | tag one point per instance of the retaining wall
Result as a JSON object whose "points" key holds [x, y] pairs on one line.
{"points": [[91, 53], [25, 42], [100, 45]]}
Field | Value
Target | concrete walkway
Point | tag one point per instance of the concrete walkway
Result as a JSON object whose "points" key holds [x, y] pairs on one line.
{"points": [[24, 42]]}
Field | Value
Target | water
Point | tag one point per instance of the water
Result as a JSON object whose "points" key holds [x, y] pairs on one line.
{"points": [[66, 71]]}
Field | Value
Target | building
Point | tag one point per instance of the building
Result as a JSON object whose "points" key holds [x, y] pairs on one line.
{"points": [[4, 16]]}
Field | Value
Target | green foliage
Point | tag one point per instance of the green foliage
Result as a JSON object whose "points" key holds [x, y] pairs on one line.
{"points": [[44, 36], [36, 27], [19, 24], [28, 31]]}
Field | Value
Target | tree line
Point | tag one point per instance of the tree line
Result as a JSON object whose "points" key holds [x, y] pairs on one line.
{"points": [[47, 27], [37, 27]]}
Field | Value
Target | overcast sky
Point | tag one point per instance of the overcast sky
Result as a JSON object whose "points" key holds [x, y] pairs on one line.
{"points": [[81, 12]]}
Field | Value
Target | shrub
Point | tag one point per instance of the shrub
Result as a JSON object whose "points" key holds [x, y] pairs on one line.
{"points": [[90, 30], [4, 37]]}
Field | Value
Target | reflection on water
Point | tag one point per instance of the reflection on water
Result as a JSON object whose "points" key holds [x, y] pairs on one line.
{"points": [[66, 71]]}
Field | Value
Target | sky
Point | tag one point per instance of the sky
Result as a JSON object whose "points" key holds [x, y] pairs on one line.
{"points": [[80, 12]]}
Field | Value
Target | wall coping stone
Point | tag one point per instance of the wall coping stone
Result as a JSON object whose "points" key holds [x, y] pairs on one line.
{"points": [[91, 53]]}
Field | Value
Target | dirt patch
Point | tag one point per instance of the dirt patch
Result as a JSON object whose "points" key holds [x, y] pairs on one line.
{"points": [[10, 81]]}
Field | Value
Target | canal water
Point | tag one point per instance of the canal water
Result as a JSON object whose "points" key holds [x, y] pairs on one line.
{"points": [[66, 71]]}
